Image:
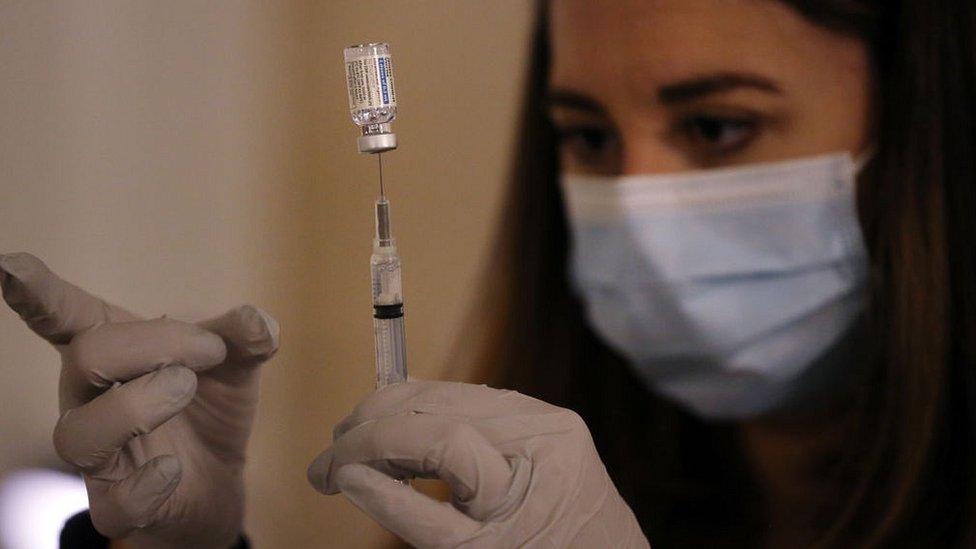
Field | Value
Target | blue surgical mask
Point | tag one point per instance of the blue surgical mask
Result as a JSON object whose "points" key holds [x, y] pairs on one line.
{"points": [[721, 287]]}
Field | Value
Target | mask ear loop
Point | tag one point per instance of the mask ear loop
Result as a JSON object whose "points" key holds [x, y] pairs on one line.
{"points": [[858, 164]]}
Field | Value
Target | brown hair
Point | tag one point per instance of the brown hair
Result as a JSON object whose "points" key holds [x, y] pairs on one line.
{"points": [[910, 426]]}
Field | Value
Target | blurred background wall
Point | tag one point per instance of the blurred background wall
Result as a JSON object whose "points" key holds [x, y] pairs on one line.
{"points": [[182, 157]]}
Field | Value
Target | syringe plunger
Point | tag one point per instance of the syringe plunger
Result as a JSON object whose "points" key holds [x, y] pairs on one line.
{"points": [[384, 236]]}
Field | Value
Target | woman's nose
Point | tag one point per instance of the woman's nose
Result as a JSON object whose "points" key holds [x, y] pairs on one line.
{"points": [[646, 156]]}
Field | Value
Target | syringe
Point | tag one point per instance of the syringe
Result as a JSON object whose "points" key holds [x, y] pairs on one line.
{"points": [[373, 106], [391, 353]]}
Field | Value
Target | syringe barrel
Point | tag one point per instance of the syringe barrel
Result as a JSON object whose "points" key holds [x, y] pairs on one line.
{"points": [[384, 267], [384, 264], [391, 352]]}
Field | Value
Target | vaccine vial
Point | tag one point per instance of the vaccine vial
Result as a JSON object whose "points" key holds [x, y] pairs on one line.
{"points": [[372, 95]]}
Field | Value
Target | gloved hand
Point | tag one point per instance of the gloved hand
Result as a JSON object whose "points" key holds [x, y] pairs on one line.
{"points": [[155, 412], [521, 472]]}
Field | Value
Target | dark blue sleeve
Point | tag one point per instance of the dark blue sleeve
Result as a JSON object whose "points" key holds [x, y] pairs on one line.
{"points": [[80, 533]]}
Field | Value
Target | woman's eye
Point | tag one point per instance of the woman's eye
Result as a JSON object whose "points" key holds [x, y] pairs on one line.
{"points": [[713, 135], [587, 145]]}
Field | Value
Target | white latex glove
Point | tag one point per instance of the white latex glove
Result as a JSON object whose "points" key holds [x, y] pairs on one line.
{"points": [[521, 472], [156, 413]]}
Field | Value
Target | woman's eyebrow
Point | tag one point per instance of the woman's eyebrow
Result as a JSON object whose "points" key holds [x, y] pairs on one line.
{"points": [[696, 88], [678, 92], [572, 100]]}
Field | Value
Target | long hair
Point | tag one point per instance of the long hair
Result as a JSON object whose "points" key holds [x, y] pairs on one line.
{"points": [[909, 427]]}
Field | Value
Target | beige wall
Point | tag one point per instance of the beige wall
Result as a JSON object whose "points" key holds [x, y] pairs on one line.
{"points": [[182, 157]]}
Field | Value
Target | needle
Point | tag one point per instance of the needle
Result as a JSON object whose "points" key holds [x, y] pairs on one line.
{"points": [[380, 157]]}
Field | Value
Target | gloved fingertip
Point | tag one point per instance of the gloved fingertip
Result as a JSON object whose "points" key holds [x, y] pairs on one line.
{"points": [[5, 279], [251, 334], [350, 478], [179, 381], [20, 264], [318, 473], [371, 490], [272, 328], [212, 347], [263, 333]]}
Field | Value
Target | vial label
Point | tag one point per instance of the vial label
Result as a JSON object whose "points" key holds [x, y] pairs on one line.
{"points": [[370, 81]]}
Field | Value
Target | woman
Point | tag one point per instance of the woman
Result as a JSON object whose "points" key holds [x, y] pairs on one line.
{"points": [[869, 441], [759, 361], [884, 457]]}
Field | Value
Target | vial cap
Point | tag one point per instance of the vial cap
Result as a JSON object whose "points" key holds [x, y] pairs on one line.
{"points": [[377, 143]]}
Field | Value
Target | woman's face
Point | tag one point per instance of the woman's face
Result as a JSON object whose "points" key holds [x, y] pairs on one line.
{"points": [[655, 86]]}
